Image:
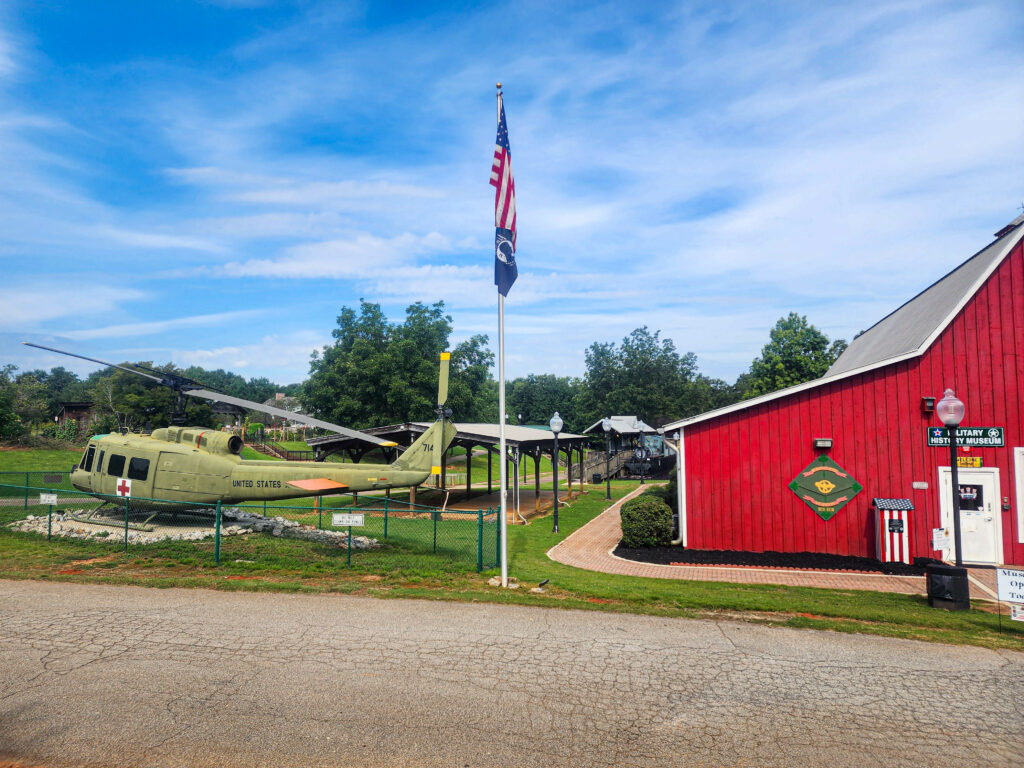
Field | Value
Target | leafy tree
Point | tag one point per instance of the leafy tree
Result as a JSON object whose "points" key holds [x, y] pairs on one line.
{"points": [[536, 397], [797, 352], [11, 426], [648, 377], [378, 372]]}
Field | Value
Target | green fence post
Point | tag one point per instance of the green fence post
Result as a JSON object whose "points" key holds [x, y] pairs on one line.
{"points": [[385, 517], [320, 513], [479, 540], [434, 515], [49, 523], [350, 546], [264, 507], [126, 504], [497, 537], [216, 538], [26, 490]]}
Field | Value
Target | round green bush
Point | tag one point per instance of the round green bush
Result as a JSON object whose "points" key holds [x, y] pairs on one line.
{"points": [[646, 522]]}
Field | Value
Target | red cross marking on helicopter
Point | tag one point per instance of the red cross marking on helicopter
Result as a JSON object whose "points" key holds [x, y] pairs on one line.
{"points": [[124, 487]]}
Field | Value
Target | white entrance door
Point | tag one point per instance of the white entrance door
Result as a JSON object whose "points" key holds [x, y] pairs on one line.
{"points": [[981, 539]]}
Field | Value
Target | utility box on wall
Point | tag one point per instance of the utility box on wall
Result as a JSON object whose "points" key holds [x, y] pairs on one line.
{"points": [[892, 529]]}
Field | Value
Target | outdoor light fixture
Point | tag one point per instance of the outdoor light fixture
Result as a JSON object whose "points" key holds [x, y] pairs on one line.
{"points": [[950, 410], [556, 424], [823, 443], [606, 425]]}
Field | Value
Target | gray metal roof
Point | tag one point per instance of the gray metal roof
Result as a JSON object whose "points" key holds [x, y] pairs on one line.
{"points": [[624, 425], [908, 328], [905, 333], [475, 433]]}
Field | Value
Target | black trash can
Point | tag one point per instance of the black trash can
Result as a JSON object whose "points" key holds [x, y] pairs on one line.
{"points": [[947, 587]]}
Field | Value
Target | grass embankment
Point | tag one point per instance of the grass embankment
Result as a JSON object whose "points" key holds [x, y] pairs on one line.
{"points": [[405, 568]]}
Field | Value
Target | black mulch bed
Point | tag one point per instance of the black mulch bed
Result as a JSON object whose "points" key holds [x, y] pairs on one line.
{"points": [[804, 561]]}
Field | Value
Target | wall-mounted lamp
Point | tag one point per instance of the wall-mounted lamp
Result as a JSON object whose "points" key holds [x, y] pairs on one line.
{"points": [[822, 443], [927, 405]]}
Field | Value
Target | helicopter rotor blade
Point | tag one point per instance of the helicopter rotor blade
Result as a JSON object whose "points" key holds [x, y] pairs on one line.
{"points": [[282, 413], [92, 360]]}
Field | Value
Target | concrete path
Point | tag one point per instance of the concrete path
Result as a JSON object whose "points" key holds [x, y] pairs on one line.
{"points": [[591, 546], [129, 677]]}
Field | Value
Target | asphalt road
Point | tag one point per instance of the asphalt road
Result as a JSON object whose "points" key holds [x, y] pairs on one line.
{"points": [[93, 675]]}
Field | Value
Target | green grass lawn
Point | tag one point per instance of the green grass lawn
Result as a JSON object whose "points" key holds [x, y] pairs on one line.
{"points": [[37, 460], [408, 567]]}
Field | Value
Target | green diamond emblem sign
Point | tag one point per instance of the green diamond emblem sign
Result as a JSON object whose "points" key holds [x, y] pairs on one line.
{"points": [[825, 487]]}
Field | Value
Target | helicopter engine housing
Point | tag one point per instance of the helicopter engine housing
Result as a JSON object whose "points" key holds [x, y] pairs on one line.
{"points": [[208, 440]]}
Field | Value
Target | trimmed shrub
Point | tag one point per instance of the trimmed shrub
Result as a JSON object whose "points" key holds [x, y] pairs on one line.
{"points": [[666, 493], [646, 522]]}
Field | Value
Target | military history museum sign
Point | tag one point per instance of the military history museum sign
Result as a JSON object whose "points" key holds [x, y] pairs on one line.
{"points": [[975, 437], [825, 487]]}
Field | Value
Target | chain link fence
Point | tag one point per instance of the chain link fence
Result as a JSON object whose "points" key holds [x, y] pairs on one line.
{"points": [[299, 535]]}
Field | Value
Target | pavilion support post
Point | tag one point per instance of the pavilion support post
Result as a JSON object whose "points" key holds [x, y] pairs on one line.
{"points": [[536, 478], [583, 477], [469, 470]]}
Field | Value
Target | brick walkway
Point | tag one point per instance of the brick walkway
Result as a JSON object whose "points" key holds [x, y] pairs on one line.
{"points": [[591, 547]]}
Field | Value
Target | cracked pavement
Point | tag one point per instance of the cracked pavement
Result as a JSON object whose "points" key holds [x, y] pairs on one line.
{"points": [[124, 676]]}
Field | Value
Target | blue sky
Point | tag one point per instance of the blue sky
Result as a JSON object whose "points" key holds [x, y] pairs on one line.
{"points": [[209, 182]]}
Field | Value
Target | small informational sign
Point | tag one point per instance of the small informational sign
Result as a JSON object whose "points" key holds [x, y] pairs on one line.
{"points": [[47, 498], [920, 485], [342, 519], [940, 538], [896, 526], [975, 437], [968, 461], [1016, 612], [1010, 585]]}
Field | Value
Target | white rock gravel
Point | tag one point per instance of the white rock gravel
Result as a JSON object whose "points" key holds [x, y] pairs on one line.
{"points": [[235, 522]]}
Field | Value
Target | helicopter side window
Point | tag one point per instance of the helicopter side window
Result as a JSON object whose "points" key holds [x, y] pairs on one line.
{"points": [[87, 458], [99, 463], [115, 465], [138, 469]]}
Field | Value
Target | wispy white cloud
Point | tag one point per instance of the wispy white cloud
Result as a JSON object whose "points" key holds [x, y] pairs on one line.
{"points": [[125, 330], [703, 169], [25, 307]]}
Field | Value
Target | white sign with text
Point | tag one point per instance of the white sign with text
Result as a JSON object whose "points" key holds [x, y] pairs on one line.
{"points": [[1010, 585], [341, 519]]}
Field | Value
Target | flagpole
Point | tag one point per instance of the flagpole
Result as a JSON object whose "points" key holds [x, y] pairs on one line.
{"points": [[502, 460]]}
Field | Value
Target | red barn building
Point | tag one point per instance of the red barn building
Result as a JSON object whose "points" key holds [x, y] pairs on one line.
{"points": [[753, 479]]}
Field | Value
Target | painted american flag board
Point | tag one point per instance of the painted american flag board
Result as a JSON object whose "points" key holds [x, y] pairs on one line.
{"points": [[505, 269]]}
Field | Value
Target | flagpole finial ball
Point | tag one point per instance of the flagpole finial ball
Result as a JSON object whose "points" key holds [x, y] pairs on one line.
{"points": [[498, 86]]}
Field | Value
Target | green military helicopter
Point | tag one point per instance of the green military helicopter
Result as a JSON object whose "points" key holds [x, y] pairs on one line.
{"points": [[202, 465]]}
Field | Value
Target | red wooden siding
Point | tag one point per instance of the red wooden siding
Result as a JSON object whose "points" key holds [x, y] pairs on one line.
{"points": [[739, 465]]}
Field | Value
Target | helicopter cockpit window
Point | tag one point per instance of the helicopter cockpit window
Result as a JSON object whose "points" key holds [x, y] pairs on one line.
{"points": [[115, 465], [99, 462], [87, 458], [138, 469]]}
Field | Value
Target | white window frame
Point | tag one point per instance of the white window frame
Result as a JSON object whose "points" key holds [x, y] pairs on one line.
{"points": [[1018, 471]]}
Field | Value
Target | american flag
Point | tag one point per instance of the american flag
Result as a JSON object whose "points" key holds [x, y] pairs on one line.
{"points": [[505, 270]]}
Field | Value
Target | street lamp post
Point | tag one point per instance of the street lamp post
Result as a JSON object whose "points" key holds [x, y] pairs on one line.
{"points": [[606, 425], [643, 447], [950, 410], [556, 427]]}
